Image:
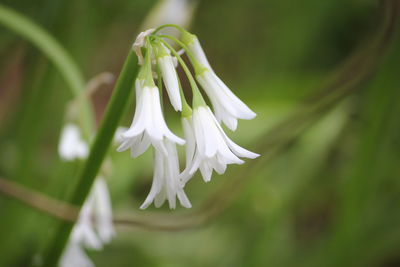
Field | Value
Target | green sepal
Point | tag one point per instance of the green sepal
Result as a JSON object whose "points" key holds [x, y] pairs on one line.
{"points": [[188, 38], [160, 50], [198, 99], [145, 71]]}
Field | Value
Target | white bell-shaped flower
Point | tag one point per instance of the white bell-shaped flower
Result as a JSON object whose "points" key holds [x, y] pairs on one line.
{"points": [[103, 210], [167, 66], [208, 148], [84, 231], [195, 47], [93, 229], [71, 145], [166, 185], [75, 256], [228, 108], [148, 125]]}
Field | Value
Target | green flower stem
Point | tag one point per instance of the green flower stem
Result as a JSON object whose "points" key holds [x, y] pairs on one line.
{"points": [[98, 151], [160, 85], [179, 28], [198, 99], [186, 109], [148, 73], [57, 55]]}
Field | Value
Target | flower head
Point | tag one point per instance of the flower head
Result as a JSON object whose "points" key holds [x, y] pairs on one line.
{"points": [[166, 185], [93, 233], [148, 125], [75, 256], [103, 210], [227, 106], [93, 228], [71, 145], [196, 49], [208, 147], [169, 75]]}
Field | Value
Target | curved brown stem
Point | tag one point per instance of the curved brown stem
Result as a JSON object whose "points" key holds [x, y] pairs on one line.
{"points": [[52, 206]]}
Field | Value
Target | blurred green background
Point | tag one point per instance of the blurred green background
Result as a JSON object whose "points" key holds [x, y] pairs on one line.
{"points": [[326, 190]]}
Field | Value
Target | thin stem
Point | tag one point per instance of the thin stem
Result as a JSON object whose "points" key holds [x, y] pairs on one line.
{"points": [[181, 29], [95, 83], [49, 205], [160, 86], [186, 109], [159, 78], [93, 86], [56, 53], [146, 68], [98, 151]]}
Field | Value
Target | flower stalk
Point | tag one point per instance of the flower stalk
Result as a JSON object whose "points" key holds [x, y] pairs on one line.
{"points": [[97, 153]]}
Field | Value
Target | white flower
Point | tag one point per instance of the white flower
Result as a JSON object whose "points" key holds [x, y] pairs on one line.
{"points": [[118, 134], [170, 77], [208, 148], [84, 232], [93, 228], [228, 108], [166, 185], [148, 125], [194, 46], [71, 145], [103, 211], [75, 256]]}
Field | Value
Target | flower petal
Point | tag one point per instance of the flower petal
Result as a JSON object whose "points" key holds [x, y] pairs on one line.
{"points": [[171, 81]]}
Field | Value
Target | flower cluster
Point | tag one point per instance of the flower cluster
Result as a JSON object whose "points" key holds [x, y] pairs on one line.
{"points": [[94, 227], [208, 148]]}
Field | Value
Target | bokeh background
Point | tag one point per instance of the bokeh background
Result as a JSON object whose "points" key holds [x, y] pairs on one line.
{"points": [[323, 77]]}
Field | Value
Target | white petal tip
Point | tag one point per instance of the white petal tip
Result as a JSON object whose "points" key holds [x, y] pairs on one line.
{"points": [[187, 205], [180, 142], [134, 156], [128, 134], [144, 206], [120, 149], [177, 107], [207, 178], [232, 128], [251, 115], [253, 155]]}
